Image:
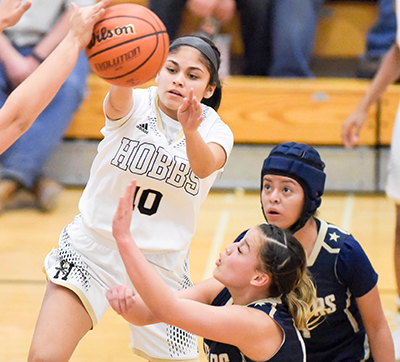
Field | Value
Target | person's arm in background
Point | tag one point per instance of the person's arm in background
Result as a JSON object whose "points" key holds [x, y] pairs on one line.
{"points": [[28, 100], [19, 67], [388, 72], [11, 11]]}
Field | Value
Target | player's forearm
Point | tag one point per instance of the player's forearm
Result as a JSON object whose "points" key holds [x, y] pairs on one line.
{"points": [[157, 296], [119, 102], [200, 155], [388, 73], [381, 344]]}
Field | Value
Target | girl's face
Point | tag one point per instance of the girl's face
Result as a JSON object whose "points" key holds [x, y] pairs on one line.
{"points": [[238, 265], [282, 200], [182, 71]]}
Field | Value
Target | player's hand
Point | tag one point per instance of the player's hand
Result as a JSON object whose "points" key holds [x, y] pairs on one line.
{"points": [[11, 11], [123, 215], [121, 298], [202, 8], [224, 10], [190, 113], [84, 18], [351, 128]]}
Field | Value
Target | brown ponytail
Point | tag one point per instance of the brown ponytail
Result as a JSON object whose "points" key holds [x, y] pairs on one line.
{"points": [[284, 259]]}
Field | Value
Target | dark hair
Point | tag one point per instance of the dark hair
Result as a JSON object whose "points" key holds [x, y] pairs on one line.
{"points": [[284, 260], [302, 163], [210, 57]]}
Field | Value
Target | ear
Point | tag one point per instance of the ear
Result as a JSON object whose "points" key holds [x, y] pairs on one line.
{"points": [[209, 91], [260, 279]]}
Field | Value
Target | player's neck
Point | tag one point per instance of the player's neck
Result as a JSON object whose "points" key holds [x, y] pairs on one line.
{"points": [[307, 235]]}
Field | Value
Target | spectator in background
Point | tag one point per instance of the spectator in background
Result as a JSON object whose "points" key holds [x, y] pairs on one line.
{"points": [[253, 23], [380, 38], [278, 36], [22, 48], [293, 27]]}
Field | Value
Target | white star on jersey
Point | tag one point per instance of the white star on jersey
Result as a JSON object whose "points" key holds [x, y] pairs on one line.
{"points": [[334, 236]]}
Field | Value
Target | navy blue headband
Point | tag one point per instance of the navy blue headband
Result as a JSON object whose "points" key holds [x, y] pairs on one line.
{"points": [[199, 44]]}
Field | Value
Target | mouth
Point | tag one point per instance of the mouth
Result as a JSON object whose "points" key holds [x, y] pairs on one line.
{"points": [[273, 213], [175, 93]]}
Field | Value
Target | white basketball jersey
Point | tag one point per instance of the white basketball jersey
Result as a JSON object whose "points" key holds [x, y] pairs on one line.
{"points": [[169, 194]]}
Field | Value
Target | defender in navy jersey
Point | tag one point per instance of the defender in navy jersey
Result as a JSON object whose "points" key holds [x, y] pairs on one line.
{"points": [[291, 350], [251, 309], [353, 326]]}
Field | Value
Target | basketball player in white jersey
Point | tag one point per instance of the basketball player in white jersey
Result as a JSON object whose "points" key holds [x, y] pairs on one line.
{"points": [[388, 73], [174, 146]]}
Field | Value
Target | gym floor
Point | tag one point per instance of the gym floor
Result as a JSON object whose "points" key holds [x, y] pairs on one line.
{"points": [[27, 236]]}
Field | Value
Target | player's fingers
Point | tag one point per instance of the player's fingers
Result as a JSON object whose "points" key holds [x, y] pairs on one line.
{"points": [[26, 6], [99, 8], [112, 298], [128, 298]]}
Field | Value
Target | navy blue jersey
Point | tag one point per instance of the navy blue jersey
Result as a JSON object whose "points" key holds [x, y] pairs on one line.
{"points": [[341, 272], [291, 350]]}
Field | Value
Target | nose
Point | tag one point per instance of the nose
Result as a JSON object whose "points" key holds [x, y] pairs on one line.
{"points": [[178, 79], [228, 249], [275, 195]]}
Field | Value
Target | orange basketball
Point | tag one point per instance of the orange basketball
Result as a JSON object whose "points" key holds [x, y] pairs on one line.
{"points": [[129, 45]]}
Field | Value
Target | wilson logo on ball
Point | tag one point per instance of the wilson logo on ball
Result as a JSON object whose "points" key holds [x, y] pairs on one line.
{"points": [[104, 34]]}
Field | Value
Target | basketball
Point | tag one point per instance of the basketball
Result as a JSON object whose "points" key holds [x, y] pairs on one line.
{"points": [[129, 45]]}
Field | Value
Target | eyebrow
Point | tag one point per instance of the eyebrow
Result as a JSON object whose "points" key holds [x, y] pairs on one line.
{"points": [[190, 68], [246, 243], [288, 181]]}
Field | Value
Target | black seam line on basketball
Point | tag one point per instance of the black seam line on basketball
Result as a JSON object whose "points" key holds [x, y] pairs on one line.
{"points": [[129, 17], [133, 70], [127, 42]]}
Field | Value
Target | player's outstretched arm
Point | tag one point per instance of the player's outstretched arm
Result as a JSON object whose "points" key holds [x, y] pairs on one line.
{"points": [[119, 102], [11, 11], [29, 99]]}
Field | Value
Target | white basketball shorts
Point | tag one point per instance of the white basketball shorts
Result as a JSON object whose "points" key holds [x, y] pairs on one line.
{"points": [[89, 269]]}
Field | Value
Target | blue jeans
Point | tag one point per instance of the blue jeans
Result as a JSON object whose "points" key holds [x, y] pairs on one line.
{"points": [[293, 28], [25, 159], [382, 34]]}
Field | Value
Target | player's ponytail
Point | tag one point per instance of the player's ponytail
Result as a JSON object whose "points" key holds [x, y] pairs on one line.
{"points": [[284, 259]]}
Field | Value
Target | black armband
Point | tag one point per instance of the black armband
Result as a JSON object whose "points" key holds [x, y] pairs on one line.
{"points": [[37, 57]]}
